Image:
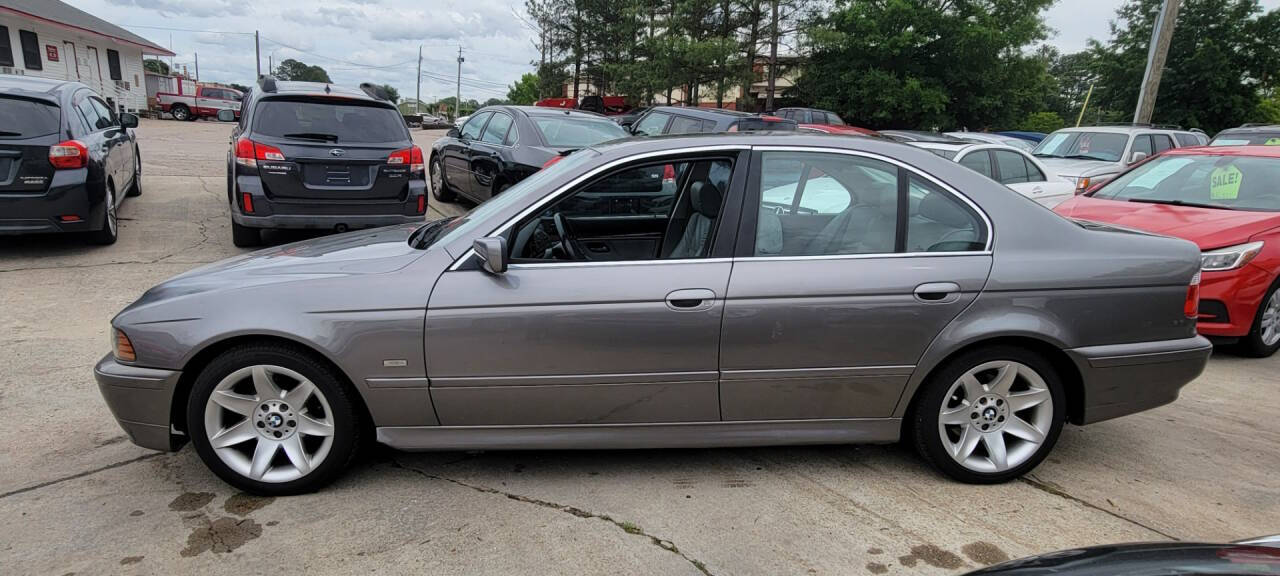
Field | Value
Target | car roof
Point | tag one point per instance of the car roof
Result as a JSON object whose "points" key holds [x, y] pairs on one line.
{"points": [[1255, 151], [1121, 129], [543, 111], [1263, 128], [33, 86], [712, 113], [297, 88], [953, 147]]}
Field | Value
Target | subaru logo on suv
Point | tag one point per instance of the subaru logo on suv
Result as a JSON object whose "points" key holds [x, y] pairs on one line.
{"points": [[337, 152]]}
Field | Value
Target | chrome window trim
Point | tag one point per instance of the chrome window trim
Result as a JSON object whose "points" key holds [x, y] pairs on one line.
{"points": [[548, 198]]}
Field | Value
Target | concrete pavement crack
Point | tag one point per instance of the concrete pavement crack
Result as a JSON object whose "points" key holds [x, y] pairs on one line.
{"points": [[1050, 488], [79, 475], [626, 527]]}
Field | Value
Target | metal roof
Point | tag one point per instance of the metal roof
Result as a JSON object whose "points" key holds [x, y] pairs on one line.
{"points": [[62, 14]]}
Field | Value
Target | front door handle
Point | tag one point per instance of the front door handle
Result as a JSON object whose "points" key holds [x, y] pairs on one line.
{"points": [[691, 299], [938, 292]]}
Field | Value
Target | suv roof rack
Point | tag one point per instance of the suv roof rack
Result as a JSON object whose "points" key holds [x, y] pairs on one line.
{"points": [[1141, 125], [267, 83], [374, 91], [1257, 124]]}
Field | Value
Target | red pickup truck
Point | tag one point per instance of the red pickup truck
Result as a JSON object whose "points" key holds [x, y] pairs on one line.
{"points": [[206, 101]]}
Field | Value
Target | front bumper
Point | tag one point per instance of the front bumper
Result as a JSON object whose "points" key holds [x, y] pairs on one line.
{"points": [[1121, 379], [1240, 292], [140, 399]]}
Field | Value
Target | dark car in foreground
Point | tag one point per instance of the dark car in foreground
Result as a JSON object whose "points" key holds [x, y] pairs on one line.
{"points": [[67, 161], [499, 146], [671, 292], [1251, 557], [1226, 200], [310, 155], [661, 120]]}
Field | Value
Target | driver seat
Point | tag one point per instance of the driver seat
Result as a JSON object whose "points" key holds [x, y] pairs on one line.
{"points": [[704, 198]]}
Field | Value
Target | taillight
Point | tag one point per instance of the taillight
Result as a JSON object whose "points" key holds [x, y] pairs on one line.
{"points": [[68, 155], [411, 156], [249, 152], [553, 160], [669, 173], [1191, 308]]}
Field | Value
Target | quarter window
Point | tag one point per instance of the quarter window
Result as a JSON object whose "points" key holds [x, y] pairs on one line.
{"points": [[31, 57], [938, 222], [496, 131], [6, 49], [113, 65], [90, 114], [685, 125]]}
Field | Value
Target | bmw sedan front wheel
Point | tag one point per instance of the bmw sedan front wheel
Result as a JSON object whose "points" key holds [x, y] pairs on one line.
{"points": [[272, 420], [989, 415]]}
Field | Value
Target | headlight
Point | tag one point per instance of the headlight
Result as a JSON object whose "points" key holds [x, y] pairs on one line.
{"points": [[1229, 258], [1082, 184]]}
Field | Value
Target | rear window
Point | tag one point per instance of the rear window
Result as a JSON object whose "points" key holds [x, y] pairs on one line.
{"points": [[338, 122], [21, 118], [566, 132], [1247, 139]]}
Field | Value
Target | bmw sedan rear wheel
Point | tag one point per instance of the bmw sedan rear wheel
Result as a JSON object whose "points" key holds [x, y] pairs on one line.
{"points": [[272, 420], [990, 415]]}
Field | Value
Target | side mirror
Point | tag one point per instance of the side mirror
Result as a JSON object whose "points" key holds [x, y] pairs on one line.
{"points": [[492, 252], [225, 115], [1137, 157], [453, 132], [128, 120]]}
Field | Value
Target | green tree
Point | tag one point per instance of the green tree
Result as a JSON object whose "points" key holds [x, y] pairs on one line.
{"points": [[524, 91], [496, 102], [240, 87], [927, 63], [392, 94], [292, 69], [156, 66], [1217, 66], [1042, 122]]}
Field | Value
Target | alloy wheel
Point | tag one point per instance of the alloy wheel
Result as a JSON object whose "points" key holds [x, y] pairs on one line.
{"points": [[269, 423], [996, 416], [111, 211], [1270, 324], [436, 180]]}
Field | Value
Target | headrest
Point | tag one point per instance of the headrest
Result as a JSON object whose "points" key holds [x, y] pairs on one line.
{"points": [[937, 207], [705, 199], [880, 195]]}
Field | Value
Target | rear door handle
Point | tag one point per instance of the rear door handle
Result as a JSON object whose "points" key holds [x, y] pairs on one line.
{"points": [[691, 299], [938, 292]]}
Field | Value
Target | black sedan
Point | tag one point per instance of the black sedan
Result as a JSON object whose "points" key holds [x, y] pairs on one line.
{"points": [[502, 145], [66, 159]]}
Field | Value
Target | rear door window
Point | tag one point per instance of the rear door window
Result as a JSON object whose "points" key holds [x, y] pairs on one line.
{"points": [[21, 118], [653, 124], [571, 132], [1013, 170], [496, 131], [1161, 142], [685, 125], [1142, 144], [979, 162], [1187, 140], [91, 115], [471, 130], [329, 121]]}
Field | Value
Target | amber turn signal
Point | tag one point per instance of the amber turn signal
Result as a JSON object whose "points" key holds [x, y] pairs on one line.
{"points": [[124, 348]]}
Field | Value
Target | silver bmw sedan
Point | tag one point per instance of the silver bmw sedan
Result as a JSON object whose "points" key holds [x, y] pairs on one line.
{"points": [[690, 291]]}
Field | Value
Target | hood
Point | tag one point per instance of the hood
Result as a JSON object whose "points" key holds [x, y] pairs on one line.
{"points": [[1074, 168], [374, 251], [1207, 227]]}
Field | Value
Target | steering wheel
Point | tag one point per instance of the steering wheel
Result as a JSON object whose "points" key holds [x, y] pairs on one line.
{"points": [[566, 241]]}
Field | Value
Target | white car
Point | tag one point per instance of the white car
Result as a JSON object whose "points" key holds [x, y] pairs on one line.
{"points": [[459, 121], [1010, 166], [989, 138]]}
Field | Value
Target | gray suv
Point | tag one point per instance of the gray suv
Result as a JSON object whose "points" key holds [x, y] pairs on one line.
{"points": [[1090, 155]]}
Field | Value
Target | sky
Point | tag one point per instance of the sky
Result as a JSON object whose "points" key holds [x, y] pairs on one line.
{"points": [[377, 40]]}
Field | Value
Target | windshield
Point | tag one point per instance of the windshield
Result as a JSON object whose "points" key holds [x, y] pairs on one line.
{"points": [[21, 118], [465, 224], [329, 121], [1229, 182], [1106, 146], [1250, 139], [569, 132]]}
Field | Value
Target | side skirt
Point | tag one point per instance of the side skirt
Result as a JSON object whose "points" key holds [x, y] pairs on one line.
{"points": [[627, 436]]}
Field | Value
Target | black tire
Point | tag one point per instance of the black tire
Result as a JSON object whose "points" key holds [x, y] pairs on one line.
{"points": [[443, 192], [109, 227], [244, 236], [923, 419], [180, 112], [1252, 345], [347, 426], [136, 188]]}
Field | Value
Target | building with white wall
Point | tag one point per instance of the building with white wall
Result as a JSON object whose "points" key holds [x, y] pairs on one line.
{"points": [[51, 39]]}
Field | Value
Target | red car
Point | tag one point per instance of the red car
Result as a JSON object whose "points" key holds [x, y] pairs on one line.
{"points": [[1227, 201], [838, 129]]}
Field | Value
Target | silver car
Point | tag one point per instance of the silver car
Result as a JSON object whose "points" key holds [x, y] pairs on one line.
{"points": [[646, 294], [1091, 155]]}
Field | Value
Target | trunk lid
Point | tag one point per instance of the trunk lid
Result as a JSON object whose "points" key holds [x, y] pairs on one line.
{"points": [[28, 127]]}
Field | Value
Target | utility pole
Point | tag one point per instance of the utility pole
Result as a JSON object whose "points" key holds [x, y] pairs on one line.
{"points": [[418, 97], [257, 53], [1161, 37], [197, 55], [457, 98], [773, 59]]}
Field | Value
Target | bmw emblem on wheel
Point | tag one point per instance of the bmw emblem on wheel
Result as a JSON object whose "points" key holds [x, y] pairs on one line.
{"points": [[337, 152]]}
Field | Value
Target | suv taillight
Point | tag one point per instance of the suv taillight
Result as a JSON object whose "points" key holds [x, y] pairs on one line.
{"points": [[249, 152], [1191, 308], [68, 155], [411, 156]]}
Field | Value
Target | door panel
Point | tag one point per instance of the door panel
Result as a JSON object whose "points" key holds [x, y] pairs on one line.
{"points": [[575, 343]]}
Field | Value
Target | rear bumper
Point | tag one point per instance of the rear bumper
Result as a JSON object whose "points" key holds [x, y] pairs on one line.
{"points": [[1122, 379], [140, 399], [324, 214], [1233, 297], [42, 212], [321, 222]]}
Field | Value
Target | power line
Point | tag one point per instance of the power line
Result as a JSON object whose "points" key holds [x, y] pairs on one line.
{"points": [[186, 29]]}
